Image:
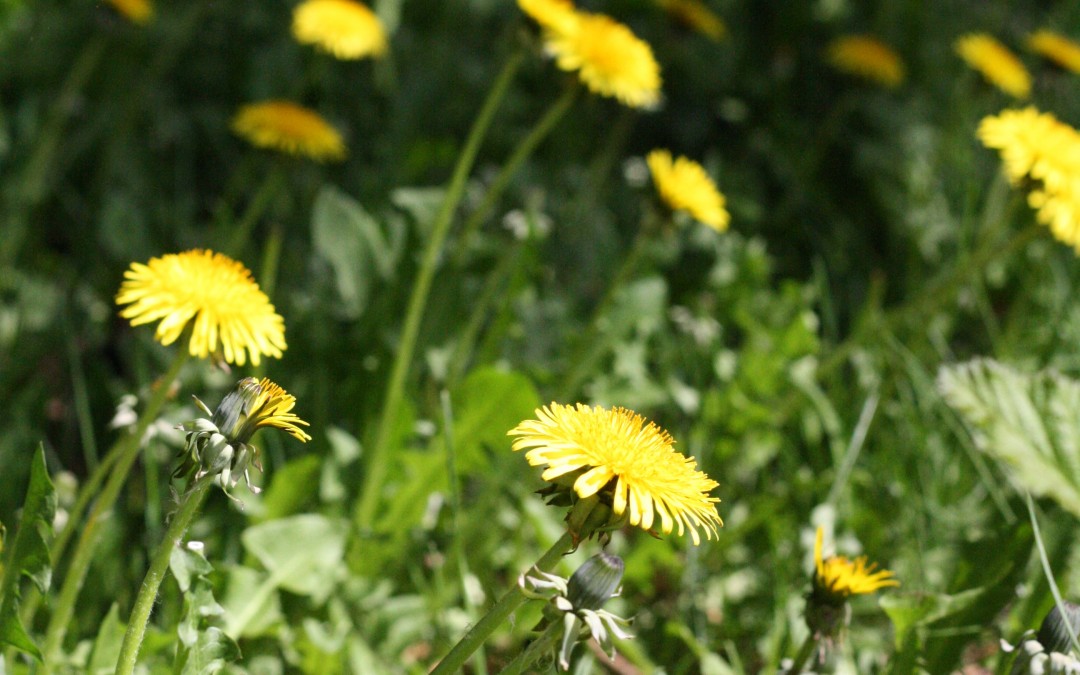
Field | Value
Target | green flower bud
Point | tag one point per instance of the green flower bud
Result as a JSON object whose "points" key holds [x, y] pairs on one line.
{"points": [[1054, 634], [595, 581]]}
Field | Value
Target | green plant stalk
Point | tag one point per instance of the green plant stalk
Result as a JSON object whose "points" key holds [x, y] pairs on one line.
{"points": [[803, 656], [536, 649], [511, 600], [125, 452], [255, 209], [521, 153], [377, 463], [159, 565]]}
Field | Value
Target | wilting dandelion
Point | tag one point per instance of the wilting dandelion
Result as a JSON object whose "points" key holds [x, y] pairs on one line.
{"points": [[634, 460], [996, 63], [346, 29], [684, 186], [135, 11], [1036, 146], [213, 293], [866, 57], [289, 128], [608, 58], [1057, 48]]}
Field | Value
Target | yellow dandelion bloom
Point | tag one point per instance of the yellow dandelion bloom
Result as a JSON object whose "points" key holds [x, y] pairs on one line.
{"points": [[696, 15], [1036, 146], [996, 63], [684, 186], [213, 293], [290, 128], [1057, 48], [839, 577], [346, 29], [618, 447], [552, 15], [608, 58], [135, 11], [270, 406], [866, 57]]}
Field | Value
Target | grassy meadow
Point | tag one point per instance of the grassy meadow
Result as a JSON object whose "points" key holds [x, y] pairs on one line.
{"points": [[322, 323]]}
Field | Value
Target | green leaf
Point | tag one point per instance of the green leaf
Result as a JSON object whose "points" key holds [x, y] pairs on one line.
{"points": [[186, 564], [106, 649], [290, 490], [212, 651], [29, 554], [487, 404], [354, 243], [1027, 421]]}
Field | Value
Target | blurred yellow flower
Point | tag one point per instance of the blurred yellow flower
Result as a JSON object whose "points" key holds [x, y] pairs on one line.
{"points": [[684, 186], [617, 448], [1037, 147], [289, 128], [346, 29], [996, 63], [839, 577], [866, 57], [211, 291], [607, 56], [553, 15], [136, 11], [696, 15], [1057, 48]]}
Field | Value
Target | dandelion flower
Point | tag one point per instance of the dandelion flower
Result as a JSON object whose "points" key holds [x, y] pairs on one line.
{"points": [[607, 57], [868, 58], [136, 11], [696, 15], [996, 63], [213, 293], [290, 128], [1036, 146], [684, 186], [346, 29], [559, 16], [840, 577], [1057, 48], [617, 447]]}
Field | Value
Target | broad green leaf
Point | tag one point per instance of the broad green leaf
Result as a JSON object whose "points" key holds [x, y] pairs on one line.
{"points": [[106, 649], [186, 564], [29, 554], [1028, 421], [355, 245], [292, 489], [488, 403], [212, 651], [252, 608]]}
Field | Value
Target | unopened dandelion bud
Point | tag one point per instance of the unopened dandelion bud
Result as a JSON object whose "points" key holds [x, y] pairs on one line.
{"points": [[595, 581], [1054, 633]]}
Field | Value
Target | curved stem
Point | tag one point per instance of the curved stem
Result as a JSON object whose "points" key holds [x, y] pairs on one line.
{"points": [[159, 565], [521, 153], [534, 651], [511, 600], [395, 389], [801, 658], [116, 467]]}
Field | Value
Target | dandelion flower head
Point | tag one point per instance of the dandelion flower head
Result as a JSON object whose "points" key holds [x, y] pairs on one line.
{"points": [[618, 447], [1057, 48], [684, 186], [696, 15], [868, 58], [996, 63], [608, 58], [135, 11], [262, 403], [213, 293], [346, 29], [1037, 146], [839, 577], [289, 128]]}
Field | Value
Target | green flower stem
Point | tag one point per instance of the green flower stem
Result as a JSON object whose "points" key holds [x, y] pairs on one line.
{"points": [[159, 565], [511, 600], [521, 153], [803, 656], [586, 352], [377, 463], [255, 209], [116, 466], [536, 649]]}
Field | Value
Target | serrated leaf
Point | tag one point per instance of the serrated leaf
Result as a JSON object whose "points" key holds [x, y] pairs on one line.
{"points": [[1027, 421], [212, 651], [29, 554]]}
